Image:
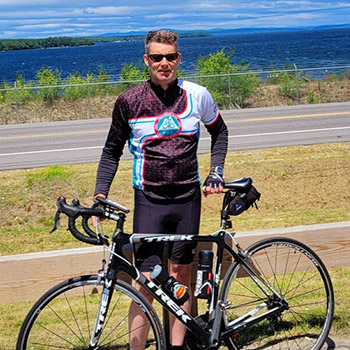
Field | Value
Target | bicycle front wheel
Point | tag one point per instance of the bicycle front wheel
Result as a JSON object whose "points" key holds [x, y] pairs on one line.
{"points": [[298, 275], [65, 316]]}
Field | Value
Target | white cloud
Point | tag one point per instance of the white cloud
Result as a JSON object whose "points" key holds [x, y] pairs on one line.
{"points": [[32, 21], [10, 33], [213, 5], [294, 5], [165, 15], [110, 10], [26, 3], [105, 18], [37, 14], [39, 26], [52, 25]]}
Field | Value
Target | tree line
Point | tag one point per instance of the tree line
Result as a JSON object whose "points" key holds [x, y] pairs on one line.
{"points": [[64, 41], [26, 44]]}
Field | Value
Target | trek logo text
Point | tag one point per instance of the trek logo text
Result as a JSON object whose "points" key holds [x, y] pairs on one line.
{"points": [[168, 238]]}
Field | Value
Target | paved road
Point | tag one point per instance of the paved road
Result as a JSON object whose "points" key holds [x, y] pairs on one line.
{"points": [[35, 145]]}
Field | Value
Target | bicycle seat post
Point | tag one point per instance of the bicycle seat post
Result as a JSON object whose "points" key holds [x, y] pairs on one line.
{"points": [[225, 215], [226, 222]]}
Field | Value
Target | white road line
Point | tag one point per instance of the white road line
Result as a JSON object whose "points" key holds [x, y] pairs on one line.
{"points": [[282, 132], [203, 139], [50, 151]]}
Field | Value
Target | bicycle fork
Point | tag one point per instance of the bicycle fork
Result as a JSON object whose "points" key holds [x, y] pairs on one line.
{"points": [[105, 300]]}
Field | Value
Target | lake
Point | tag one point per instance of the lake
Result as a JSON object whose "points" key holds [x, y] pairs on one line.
{"points": [[307, 49]]}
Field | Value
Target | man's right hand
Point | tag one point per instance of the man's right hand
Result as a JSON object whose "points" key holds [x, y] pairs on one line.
{"points": [[95, 219]]}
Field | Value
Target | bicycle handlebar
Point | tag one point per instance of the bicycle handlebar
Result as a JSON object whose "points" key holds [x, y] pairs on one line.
{"points": [[104, 208]]}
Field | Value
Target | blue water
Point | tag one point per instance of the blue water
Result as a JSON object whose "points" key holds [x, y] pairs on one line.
{"points": [[307, 49]]}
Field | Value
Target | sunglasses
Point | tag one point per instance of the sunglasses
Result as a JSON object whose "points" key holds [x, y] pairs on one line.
{"points": [[159, 57]]}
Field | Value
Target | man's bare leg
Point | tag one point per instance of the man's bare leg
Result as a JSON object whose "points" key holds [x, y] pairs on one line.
{"points": [[182, 273], [138, 322]]}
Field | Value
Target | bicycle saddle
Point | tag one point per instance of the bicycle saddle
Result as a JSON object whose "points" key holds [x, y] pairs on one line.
{"points": [[240, 185]]}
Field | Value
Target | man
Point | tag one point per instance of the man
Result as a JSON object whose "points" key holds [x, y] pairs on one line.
{"points": [[160, 119]]}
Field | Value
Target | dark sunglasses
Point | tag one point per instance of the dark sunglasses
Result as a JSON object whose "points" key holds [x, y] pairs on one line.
{"points": [[158, 57]]}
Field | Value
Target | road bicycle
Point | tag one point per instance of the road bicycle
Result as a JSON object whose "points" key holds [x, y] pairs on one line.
{"points": [[276, 294]]}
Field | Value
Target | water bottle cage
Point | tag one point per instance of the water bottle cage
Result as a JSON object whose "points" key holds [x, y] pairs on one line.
{"points": [[203, 285]]}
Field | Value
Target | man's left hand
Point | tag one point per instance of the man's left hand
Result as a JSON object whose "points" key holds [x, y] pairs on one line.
{"points": [[214, 183]]}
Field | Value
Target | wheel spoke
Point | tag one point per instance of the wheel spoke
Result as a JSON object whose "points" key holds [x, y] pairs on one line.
{"points": [[75, 319], [65, 323]]}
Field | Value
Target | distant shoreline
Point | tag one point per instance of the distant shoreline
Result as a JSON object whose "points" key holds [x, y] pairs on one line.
{"points": [[58, 42]]}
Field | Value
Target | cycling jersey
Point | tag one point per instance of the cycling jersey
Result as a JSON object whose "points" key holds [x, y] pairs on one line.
{"points": [[162, 128]]}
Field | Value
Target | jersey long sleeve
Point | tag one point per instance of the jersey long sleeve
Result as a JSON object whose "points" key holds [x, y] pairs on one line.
{"points": [[113, 149], [219, 142]]}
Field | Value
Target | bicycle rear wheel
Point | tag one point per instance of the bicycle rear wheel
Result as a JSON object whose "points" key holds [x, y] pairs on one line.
{"points": [[297, 274], [64, 318]]}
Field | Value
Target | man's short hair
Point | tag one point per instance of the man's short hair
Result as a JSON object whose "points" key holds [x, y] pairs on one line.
{"points": [[161, 36]]}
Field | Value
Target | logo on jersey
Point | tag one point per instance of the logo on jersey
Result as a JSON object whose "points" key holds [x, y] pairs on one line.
{"points": [[215, 108], [168, 125]]}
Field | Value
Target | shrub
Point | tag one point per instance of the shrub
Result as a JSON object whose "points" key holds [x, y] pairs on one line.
{"points": [[103, 87], [290, 81], [73, 92], [24, 91], [131, 72], [48, 81], [235, 85], [19, 92]]}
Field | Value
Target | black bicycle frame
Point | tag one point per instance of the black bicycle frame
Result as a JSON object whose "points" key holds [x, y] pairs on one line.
{"points": [[118, 262]]}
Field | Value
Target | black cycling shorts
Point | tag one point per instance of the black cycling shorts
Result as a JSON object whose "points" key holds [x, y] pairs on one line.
{"points": [[171, 216]]}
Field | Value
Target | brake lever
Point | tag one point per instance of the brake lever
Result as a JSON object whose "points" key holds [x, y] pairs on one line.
{"points": [[57, 222]]}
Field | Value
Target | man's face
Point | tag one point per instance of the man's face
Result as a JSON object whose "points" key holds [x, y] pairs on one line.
{"points": [[163, 72]]}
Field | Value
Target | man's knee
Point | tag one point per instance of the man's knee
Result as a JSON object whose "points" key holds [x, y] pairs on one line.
{"points": [[180, 272]]}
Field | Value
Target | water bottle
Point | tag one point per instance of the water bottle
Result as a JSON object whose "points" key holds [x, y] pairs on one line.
{"points": [[204, 281], [174, 289]]}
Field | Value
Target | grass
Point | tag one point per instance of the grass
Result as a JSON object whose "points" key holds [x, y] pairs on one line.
{"points": [[300, 185]]}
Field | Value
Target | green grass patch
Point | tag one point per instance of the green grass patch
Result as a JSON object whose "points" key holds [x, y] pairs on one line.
{"points": [[300, 185], [50, 174]]}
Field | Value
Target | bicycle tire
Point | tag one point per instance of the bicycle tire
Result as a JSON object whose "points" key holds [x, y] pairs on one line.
{"points": [[64, 318], [296, 273]]}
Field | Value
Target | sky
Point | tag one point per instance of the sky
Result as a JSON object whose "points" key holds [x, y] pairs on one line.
{"points": [[44, 18]]}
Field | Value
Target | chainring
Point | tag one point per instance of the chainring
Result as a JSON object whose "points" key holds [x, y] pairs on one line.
{"points": [[192, 342]]}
